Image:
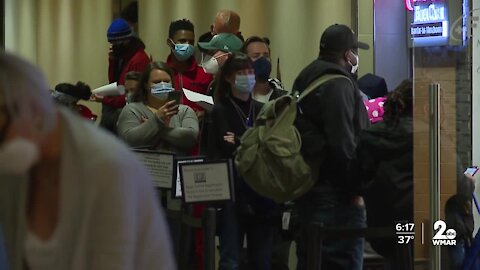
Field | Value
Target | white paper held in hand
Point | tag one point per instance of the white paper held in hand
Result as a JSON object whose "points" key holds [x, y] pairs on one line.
{"points": [[109, 90], [202, 100]]}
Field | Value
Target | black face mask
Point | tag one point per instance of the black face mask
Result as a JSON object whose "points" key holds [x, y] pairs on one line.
{"points": [[118, 50], [263, 68]]}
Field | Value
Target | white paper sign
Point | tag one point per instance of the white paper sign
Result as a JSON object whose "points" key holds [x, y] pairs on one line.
{"points": [[205, 182], [205, 101], [178, 183], [160, 167]]}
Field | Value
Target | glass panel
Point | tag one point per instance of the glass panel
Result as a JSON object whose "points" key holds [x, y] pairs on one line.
{"points": [[441, 55]]}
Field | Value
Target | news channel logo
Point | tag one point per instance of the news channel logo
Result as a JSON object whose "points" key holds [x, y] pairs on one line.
{"points": [[443, 236]]}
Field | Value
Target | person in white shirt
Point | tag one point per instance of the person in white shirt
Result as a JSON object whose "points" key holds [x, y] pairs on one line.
{"points": [[71, 195]]}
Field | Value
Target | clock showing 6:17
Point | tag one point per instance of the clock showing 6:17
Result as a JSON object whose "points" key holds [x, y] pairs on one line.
{"points": [[405, 232]]}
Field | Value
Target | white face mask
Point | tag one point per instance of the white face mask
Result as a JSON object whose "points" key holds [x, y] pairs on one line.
{"points": [[17, 156], [245, 83], [210, 66], [354, 67]]}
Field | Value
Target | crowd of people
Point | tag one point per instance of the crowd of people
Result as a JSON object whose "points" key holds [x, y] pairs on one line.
{"points": [[74, 197]]}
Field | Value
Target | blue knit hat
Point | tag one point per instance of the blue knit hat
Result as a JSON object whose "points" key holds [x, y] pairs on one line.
{"points": [[119, 30]]}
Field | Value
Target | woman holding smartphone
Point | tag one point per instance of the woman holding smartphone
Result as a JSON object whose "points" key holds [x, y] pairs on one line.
{"points": [[154, 119]]}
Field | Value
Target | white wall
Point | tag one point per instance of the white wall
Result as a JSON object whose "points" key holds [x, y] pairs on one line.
{"points": [[476, 101]]}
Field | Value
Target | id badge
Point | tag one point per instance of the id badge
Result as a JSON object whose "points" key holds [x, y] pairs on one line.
{"points": [[286, 220]]}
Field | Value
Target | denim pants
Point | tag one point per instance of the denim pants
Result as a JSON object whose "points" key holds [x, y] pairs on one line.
{"points": [[457, 254], [232, 225], [334, 211]]}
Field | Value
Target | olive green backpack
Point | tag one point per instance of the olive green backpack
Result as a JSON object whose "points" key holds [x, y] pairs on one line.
{"points": [[269, 157]]}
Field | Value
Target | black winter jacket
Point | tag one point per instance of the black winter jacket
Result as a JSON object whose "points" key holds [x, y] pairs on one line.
{"points": [[386, 157], [336, 115]]}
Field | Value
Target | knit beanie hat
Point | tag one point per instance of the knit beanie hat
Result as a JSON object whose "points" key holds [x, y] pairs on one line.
{"points": [[119, 29]]}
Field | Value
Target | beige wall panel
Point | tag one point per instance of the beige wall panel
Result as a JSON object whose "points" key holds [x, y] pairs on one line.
{"points": [[294, 27]]}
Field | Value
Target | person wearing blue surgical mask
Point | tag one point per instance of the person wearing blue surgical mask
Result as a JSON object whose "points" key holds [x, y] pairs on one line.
{"points": [[266, 88], [186, 71], [155, 120], [233, 113]]}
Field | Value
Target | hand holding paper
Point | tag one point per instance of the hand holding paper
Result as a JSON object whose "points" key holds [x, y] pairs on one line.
{"points": [[109, 90], [204, 101]]}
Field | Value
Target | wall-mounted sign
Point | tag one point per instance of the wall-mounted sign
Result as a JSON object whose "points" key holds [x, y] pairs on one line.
{"points": [[409, 4], [430, 22], [430, 13]]}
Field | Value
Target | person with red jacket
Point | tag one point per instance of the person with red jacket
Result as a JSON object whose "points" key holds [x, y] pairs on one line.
{"points": [[127, 53], [187, 73]]}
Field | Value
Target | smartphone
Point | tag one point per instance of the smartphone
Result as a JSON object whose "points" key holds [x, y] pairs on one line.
{"points": [[471, 171], [175, 95]]}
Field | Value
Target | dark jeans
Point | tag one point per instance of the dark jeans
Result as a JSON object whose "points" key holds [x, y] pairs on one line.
{"points": [[333, 210], [457, 254], [232, 226], [280, 250]]}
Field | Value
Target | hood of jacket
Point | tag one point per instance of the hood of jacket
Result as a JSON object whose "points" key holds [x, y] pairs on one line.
{"points": [[317, 69], [384, 137]]}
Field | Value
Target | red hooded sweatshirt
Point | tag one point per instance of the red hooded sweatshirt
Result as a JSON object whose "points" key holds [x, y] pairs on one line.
{"points": [[193, 78], [135, 61]]}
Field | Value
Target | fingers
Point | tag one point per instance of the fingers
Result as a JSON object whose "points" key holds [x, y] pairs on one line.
{"points": [[167, 111], [170, 113], [229, 137], [171, 103], [171, 110], [96, 98]]}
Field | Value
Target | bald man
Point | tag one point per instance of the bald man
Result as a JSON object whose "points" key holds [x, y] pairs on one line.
{"points": [[226, 21]]}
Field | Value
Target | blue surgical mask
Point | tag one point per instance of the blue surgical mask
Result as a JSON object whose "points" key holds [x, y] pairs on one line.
{"points": [[245, 83], [160, 90], [183, 51]]}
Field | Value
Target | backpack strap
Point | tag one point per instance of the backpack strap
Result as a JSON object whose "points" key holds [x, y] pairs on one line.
{"points": [[321, 80], [477, 206]]}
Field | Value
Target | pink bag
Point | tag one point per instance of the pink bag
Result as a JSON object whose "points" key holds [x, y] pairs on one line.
{"points": [[375, 109]]}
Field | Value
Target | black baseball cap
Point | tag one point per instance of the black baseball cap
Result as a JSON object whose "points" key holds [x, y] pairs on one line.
{"points": [[339, 38]]}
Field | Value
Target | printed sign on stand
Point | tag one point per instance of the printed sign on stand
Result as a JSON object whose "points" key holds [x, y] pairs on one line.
{"points": [[210, 181], [177, 184], [160, 165]]}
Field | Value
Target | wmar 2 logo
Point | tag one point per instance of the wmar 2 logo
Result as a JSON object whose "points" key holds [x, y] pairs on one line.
{"points": [[443, 237]]}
